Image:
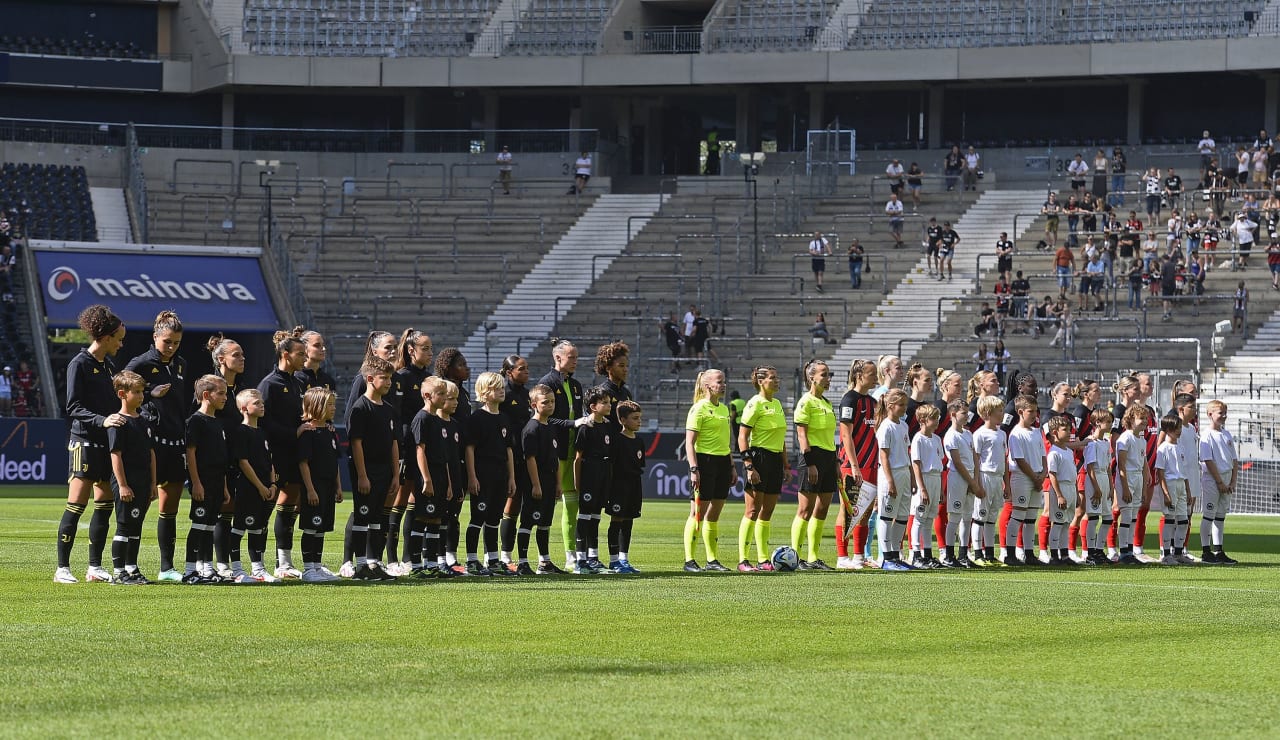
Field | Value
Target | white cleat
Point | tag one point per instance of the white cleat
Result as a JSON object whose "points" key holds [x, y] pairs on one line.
{"points": [[170, 576], [287, 572], [846, 563], [224, 570], [64, 575], [348, 570], [318, 575], [262, 576], [240, 576], [97, 574], [1144, 558]]}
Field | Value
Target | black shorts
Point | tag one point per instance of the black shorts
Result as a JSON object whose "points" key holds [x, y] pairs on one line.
{"points": [[895, 187], [695, 345], [1167, 291], [932, 249], [208, 511], [434, 506], [252, 510], [317, 518], [625, 498], [769, 465], [825, 461], [488, 504], [538, 512], [674, 348], [819, 264], [1004, 264], [171, 462], [594, 485], [129, 514], [287, 470], [714, 474], [88, 461], [369, 507]]}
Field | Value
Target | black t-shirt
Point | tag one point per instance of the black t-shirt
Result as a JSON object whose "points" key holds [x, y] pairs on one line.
{"points": [[701, 328], [167, 413], [596, 442], [489, 435], [628, 458], [90, 396], [934, 235], [205, 434], [671, 333], [539, 442], [319, 449], [1173, 184], [133, 442], [913, 175], [374, 425], [250, 443], [949, 239], [1021, 287], [409, 380]]}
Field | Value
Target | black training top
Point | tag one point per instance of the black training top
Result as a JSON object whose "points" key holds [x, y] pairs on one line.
{"points": [[566, 408], [90, 396], [168, 413], [596, 442], [408, 380], [205, 434], [539, 442], [282, 396], [315, 379], [628, 457], [133, 442], [319, 448], [489, 435], [250, 443], [374, 425]]}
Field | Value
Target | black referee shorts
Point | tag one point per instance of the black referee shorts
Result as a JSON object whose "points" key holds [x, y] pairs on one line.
{"points": [[714, 475]]}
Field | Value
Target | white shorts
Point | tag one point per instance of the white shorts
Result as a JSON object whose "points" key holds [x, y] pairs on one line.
{"points": [[1135, 492], [1063, 514], [933, 487], [959, 498], [894, 507], [987, 510], [1179, 508], [1216, 505], [1104, 501], [1024, 495], [865, 501], [1194, 487]]}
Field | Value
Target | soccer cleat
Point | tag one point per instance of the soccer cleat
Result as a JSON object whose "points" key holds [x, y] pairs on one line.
{"points": [[1144, 558], [97, 574], [287, 572], [1129, 559], [193, 579], [497, 568], [548, 568], [246, 578], [366, 572], [569, 564], [947, 562], [802, 565], [845, 563], [626, 568], [819, 565], [348, 570], [918, 562], [870, 564], [1187, 558], [524, 569], [137, 577], [615, 566], [715, 567], [64, 575], [319, 575], [217, 579], [1169, 559], [934, 564], [422, 574], [223, 570], [169, 576], [965, 562], [1225, 559], [1210, 558], [746, 567], [263, 576], [458, 569], [583, 568], [895, 566], [691, 566], [120, 578], [1056, 562], [765, 566], [383, 575]]}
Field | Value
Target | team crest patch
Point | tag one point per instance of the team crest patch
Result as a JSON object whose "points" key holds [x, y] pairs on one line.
{"points": [[955, 505], [555, 444], [444, 433], [606, 439], [920, 512], [249, 521], [135, 512], [1208, 506], [482, 506], [199, 511], [639, 454], [537, 516], [316, 520], [431, 508], [364, 510], [616, 508], [504, 432], [586, 497]]}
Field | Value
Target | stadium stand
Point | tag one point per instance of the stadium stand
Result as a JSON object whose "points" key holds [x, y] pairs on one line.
{"points": [[73, 47], [48, 201], [770, 25], [559, 27], [344, 28]]}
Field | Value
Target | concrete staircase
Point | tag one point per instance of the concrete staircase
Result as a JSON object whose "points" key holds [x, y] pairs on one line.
{"points": [[489, 42], [910, 311], [530, 311], [112, 215], [1253, 367], [228, 17]]}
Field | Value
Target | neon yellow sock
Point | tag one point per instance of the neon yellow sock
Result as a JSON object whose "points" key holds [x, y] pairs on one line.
{"points": [[797, 531], [745, 529], [816, 527], [690, 534], [710, 537], [762, 538]]}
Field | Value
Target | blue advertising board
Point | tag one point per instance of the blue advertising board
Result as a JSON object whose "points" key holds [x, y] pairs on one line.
{"points": [[666, 471], [32, 451], [209, 293]]}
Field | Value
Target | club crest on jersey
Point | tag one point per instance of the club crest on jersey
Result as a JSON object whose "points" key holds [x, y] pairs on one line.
{"points": [[444, 433], [504, 432], [606, 439], [639, 454], [1208, 506], [431, 508], [555, 444], [334, 442], [616, 508]]}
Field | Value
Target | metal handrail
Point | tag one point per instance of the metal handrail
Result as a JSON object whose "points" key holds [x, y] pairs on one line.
{"points": [[453, 258], [755, 302], [489, 220]]}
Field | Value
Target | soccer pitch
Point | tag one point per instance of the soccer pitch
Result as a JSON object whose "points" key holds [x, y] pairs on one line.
{"points": [[1190, 650]]}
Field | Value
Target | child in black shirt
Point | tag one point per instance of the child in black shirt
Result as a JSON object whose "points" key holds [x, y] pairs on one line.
{"points": [[625, 497], [207, 468], [375, 460], [133, 463], [322, 485]]}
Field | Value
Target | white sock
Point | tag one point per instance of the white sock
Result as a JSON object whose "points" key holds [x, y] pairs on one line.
{"points": [[1180, 533], [989, 533], [949, 535], [1206, 532], [899, 530], [623, 557], [1217, 532], [189, 568], [915, 535], [882, 533], [1166, 539], [451, 558]]}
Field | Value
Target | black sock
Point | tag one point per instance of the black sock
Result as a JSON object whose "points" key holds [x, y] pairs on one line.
{"points": [[542, 536], [119, 549], [135, 544], [1010, 552], [964, 553], [285, 516], [167, 538], [67, 529], [413, 543], [222, 538], [613, 536], [99, 527], [580, 536], [454, 531], [522, 542], [594, 543], [377, 541], [408, 552], [347, 547], [360, 540], [624, 544], [432, 538], [234, 539], [928, 553], [491, 537], [312, 545], [257, 544], [990, 552], [193, 543], [507, 532], [206, 545], [951, 552], [391, 532], [473, 537]]}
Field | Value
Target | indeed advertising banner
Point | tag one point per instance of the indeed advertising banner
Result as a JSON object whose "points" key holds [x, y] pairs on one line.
{"points": [[32, 451], [210, 293], [666, 472]]}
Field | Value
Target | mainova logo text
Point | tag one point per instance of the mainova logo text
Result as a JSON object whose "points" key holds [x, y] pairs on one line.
{"points": [[65, 281]]}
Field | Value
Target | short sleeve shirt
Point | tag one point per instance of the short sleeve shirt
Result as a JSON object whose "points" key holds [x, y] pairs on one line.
{"points": [[927, 450], [818, 417], [768, 423], [711, 422], [892, 437]]}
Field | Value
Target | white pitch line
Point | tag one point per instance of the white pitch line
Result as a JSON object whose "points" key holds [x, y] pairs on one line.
{"points": [[1170, 587]]}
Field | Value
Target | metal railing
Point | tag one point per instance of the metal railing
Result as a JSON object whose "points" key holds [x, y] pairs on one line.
{"points": [[665, 39], [135, 188]]}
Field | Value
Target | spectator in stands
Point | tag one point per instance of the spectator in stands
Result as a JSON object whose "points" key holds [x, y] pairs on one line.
{"points": [[1150, 251], [1077, 169], [1193, 231], [1239, 304], [581, 173], [689, 317], [952, 166], [1064, 263], [1219, 188], [1066, 334], [1100, 167], [1242, 166], [1168, 285], [893, 174], [1153, 187], [1273, 262], [504, 170], [1208, 148], [1135, 284], [1043, 311], [673, 337], [1259, 169], [713, 151], [1004, 296], [972, 169], [1020, 289], [29, 383], [6, 231], [1211, 235], [1118, 166], [856, 256], [1173, 230], [1073, 219], [1096, 273], [1004, 255], [915, 182], [999, 359], [1052, 210], [819, 250], [819, 329], [893, 209], [7, 264], [1172, 188], [701, 335], [6, 391], [1263, 140], [987, 320], [981, 358], [1243, 230]]}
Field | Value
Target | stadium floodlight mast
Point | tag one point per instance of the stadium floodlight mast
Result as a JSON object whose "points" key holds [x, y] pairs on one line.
{"points": [[751, 164], [268, 169]]}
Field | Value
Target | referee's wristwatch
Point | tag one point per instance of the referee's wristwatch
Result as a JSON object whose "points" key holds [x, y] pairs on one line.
{"points": [[693, 469]]}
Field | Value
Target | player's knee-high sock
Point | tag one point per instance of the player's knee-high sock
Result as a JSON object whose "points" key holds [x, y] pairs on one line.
{"points": [[859, 536], [1091, 532], [1042, 533], [135, 544], [1180, 534], [1058, 539], [1140, 527], [431, 542], [1161, 531], [285, 516], [817, 527], [690, 534], [1114, 532], [67, 529], [507, 534], [949, 533], [1073, 537], [99, 527], [614, 538], [474, 530], [976, 535], [911, 520], [167, 538], [377, 541], [763, 528], [522, 544], [1010, 540], [360, 543], [569, 521], [884, 528], [917, 544], [452, 536], [1166, 534], [491, 535], [624, 539], [711, 539], [746, 528], [1006, 513], [842, 542], [542, 536], [1028, 531], [119, 549], [348, 555], [581, 533], [236, 536], [413, 541], [989, 539], [407, 552], [391, 531], [1124, 531], [222, 537], [206, 549], [310, 548], [257, 545], [898, 534], [798, 526]]}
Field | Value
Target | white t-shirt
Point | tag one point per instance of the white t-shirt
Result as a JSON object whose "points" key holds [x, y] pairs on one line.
{"points": [[504, 161], [1062, 463], [1135, 451], [928, 452], [1207, 146], [688, 323], [1220, 447], [818, 247], [959, 446], [1153, 184], [893, 170], [990, 444], [971, 160], [892, 438], [1097, 454], [1242, 161], [1078, 168], [1167, 460], [1025, 444], [893, 208], [582, 166]]}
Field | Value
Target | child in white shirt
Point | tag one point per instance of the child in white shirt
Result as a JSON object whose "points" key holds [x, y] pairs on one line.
{"points": [[926, 472]]}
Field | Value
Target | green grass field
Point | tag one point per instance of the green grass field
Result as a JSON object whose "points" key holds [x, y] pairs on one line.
{"points": [[1190, 651]]}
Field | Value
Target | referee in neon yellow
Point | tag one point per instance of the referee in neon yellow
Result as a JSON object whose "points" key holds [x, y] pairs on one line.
{"points": [[815, 423], [711, 471]]}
